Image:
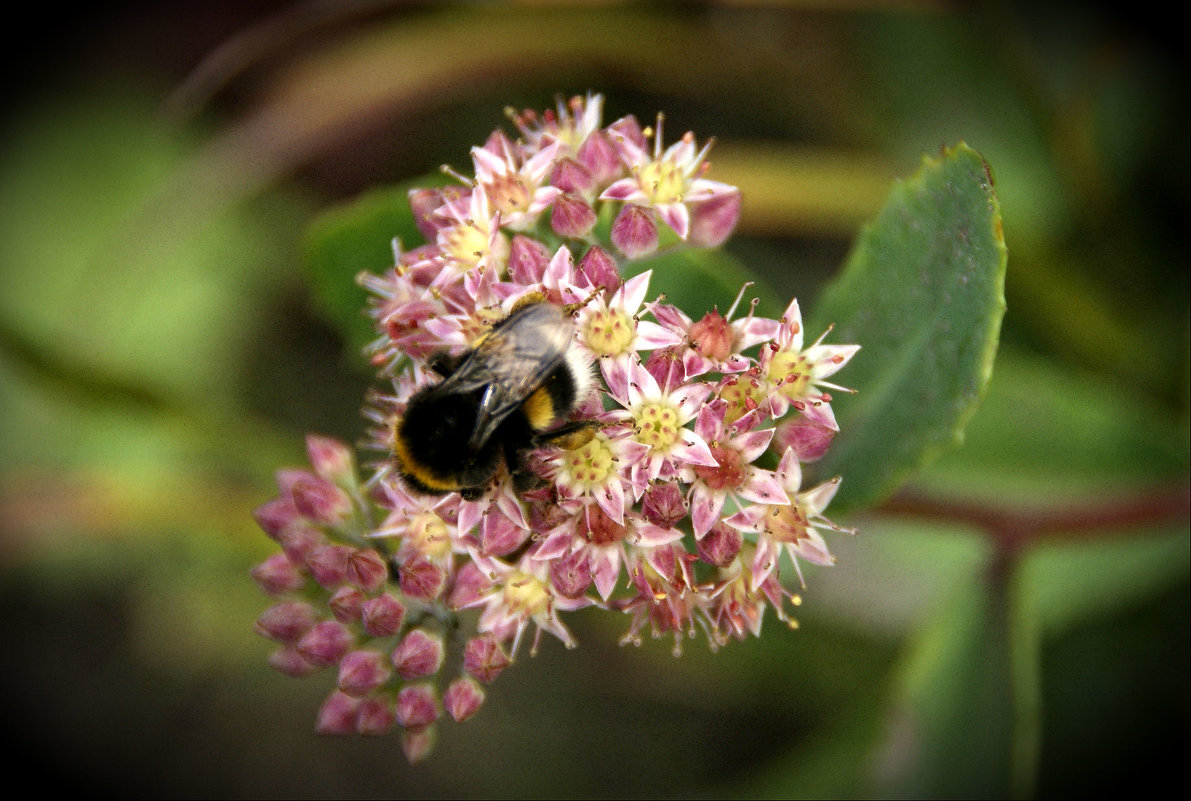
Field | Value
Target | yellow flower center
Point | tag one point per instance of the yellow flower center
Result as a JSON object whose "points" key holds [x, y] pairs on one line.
{"points": [[508, 194], [657, 425], [526, 595], [609, 332], [792, 373], [786, 523], [590, 466], [743, 394], [429, 534], [662, 181]]}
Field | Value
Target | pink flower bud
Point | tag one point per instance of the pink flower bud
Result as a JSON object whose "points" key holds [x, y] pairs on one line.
{"points": [[298, 541], [321, 501], [330, 458], [417, 706], [367, 569], [572, 216], [289, 661], [361, 672], [346, 604], [419, 654], [417, 745], [328, 564], [484, 658], [337, 715], [470, 588], [500, 536], [713, 336], [383, 615], [720, 545], [277, 575], [325, 643], [463, 699], [713, 220], [809, 440], [422, 579], [600, 269], [667, 368], [375, 716], [274, 516], [634, 232], [664, 505], [601, 157], [570, 575], [571, 176], [287, 622], [528, 259]]}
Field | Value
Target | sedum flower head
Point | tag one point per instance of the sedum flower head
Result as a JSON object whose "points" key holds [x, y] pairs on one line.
{"points": [[657, 496]]}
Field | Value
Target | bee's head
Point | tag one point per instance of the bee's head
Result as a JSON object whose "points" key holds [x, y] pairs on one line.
{"points": [[431, 444]]}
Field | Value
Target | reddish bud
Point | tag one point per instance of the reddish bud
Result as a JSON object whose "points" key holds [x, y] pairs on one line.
{"points": [[634, 232], [470, 588], [330, 458], [572, 216], [571, 176], [484, 658], [321, 501], [346, 604], [277, 575], [337, 715], [287, 622], [325, 643], [809, 440], [367, 569], [600, 156], [600, 269], [328, 564], [500, 536], [528, 259], [571, 575], [417, 745], [289, 661], [375, 716], [417, 706], [275, 516], [422, 579], [664, 505], [713, 336], [383, 615], [419, 654], [713, 220], [720, 545], [361, 672], [463, 699]]}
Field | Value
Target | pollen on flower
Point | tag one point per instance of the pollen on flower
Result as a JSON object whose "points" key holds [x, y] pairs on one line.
{"points": [[589, 466], [791, 372], [657, 425], [609, 332]]}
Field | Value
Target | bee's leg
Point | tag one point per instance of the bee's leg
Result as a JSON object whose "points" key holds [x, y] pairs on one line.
{"points": [[569, 436], [443, 363]]}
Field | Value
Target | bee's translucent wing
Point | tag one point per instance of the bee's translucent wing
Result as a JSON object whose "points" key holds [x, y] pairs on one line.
{"points": [[509, 364]]}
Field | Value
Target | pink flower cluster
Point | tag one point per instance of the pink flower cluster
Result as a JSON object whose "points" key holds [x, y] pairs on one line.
{"points": [[666, 513]]}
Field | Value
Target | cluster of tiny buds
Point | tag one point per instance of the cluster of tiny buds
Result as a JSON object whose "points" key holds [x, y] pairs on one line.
{"points": [[677, 506]]}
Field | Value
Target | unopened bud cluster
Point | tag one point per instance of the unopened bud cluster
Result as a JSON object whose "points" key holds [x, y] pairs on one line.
{"points": [[664, 513]]}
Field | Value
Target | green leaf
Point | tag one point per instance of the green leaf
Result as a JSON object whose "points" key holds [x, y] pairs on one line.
{"points": [[353, 238], [923, 294]]}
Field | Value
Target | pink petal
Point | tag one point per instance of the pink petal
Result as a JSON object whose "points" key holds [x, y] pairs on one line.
{"points": [[762, 486]]}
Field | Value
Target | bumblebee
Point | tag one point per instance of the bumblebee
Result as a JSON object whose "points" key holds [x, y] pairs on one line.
{"points": [[508, 395]]}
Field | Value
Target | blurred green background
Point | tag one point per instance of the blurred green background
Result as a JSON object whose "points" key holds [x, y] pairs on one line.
{"points": [[1015, 622]]}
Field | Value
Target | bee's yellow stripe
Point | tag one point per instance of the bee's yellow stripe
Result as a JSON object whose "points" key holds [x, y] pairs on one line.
{"points": [[419, 472], [539, 409]]}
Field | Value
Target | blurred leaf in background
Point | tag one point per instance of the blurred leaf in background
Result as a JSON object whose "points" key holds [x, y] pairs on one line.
{"points": [[1014, 621]]}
